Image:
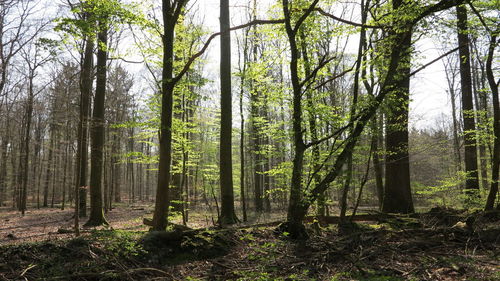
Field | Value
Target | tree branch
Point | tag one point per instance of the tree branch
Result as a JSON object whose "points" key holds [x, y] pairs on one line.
{"points": [[212, 37], [305, 15], [322, 12]]}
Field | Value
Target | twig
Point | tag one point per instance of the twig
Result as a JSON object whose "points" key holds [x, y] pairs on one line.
{"points": [[26, 270]]}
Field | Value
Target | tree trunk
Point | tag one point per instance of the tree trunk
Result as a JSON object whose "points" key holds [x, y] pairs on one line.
{"points": [[48, 173], [116, 168], [397, 192], [86, 80], [3, 170], [242, 151], [470, 158], [97, 131], [376, 142], [495, 163], [162, 200], [228, 215], [26, 143], [296, 208], [312, 124]]}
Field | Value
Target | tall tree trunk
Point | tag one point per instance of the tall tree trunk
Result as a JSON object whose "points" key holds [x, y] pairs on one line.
{"points": [[86, 81], [481, 116], [495, 163], [228, 215], [26, 143], [98, 130], [296, 208], [397, 192], [170, 17], [470, 158], [312, 124], [242, 145]]}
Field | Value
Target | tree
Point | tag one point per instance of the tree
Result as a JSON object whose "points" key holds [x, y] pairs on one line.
{"points": [[86, 81], [470, 156], [397, 192], [171, 12], [228, 215], [17, 30], [493, 42], [33, 61], [300, 203], [495, 162], [97, 128]]}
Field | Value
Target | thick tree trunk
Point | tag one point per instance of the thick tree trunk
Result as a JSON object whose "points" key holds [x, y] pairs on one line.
{"points": [[298, 209], [162, 191], [228, 215], [470, 158], [97, 131], [397, 192]]}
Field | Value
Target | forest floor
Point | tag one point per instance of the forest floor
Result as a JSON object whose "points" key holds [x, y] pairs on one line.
{"points": [[442, 244]]}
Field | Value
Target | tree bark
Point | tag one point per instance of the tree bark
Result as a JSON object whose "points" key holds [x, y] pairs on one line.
{"points": [[170, 13], [86, 81], [228, 215], [296, 208], [495, 163], [470, 158], [26, 142], [98, 130], [397, 192]]}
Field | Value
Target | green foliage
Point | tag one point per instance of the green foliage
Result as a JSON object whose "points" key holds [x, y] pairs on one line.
{"points": [[121, 243], [89, 12], [439, 194]]}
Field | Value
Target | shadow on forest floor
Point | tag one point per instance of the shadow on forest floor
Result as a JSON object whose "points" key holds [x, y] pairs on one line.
{"points": [[442, 244]]}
